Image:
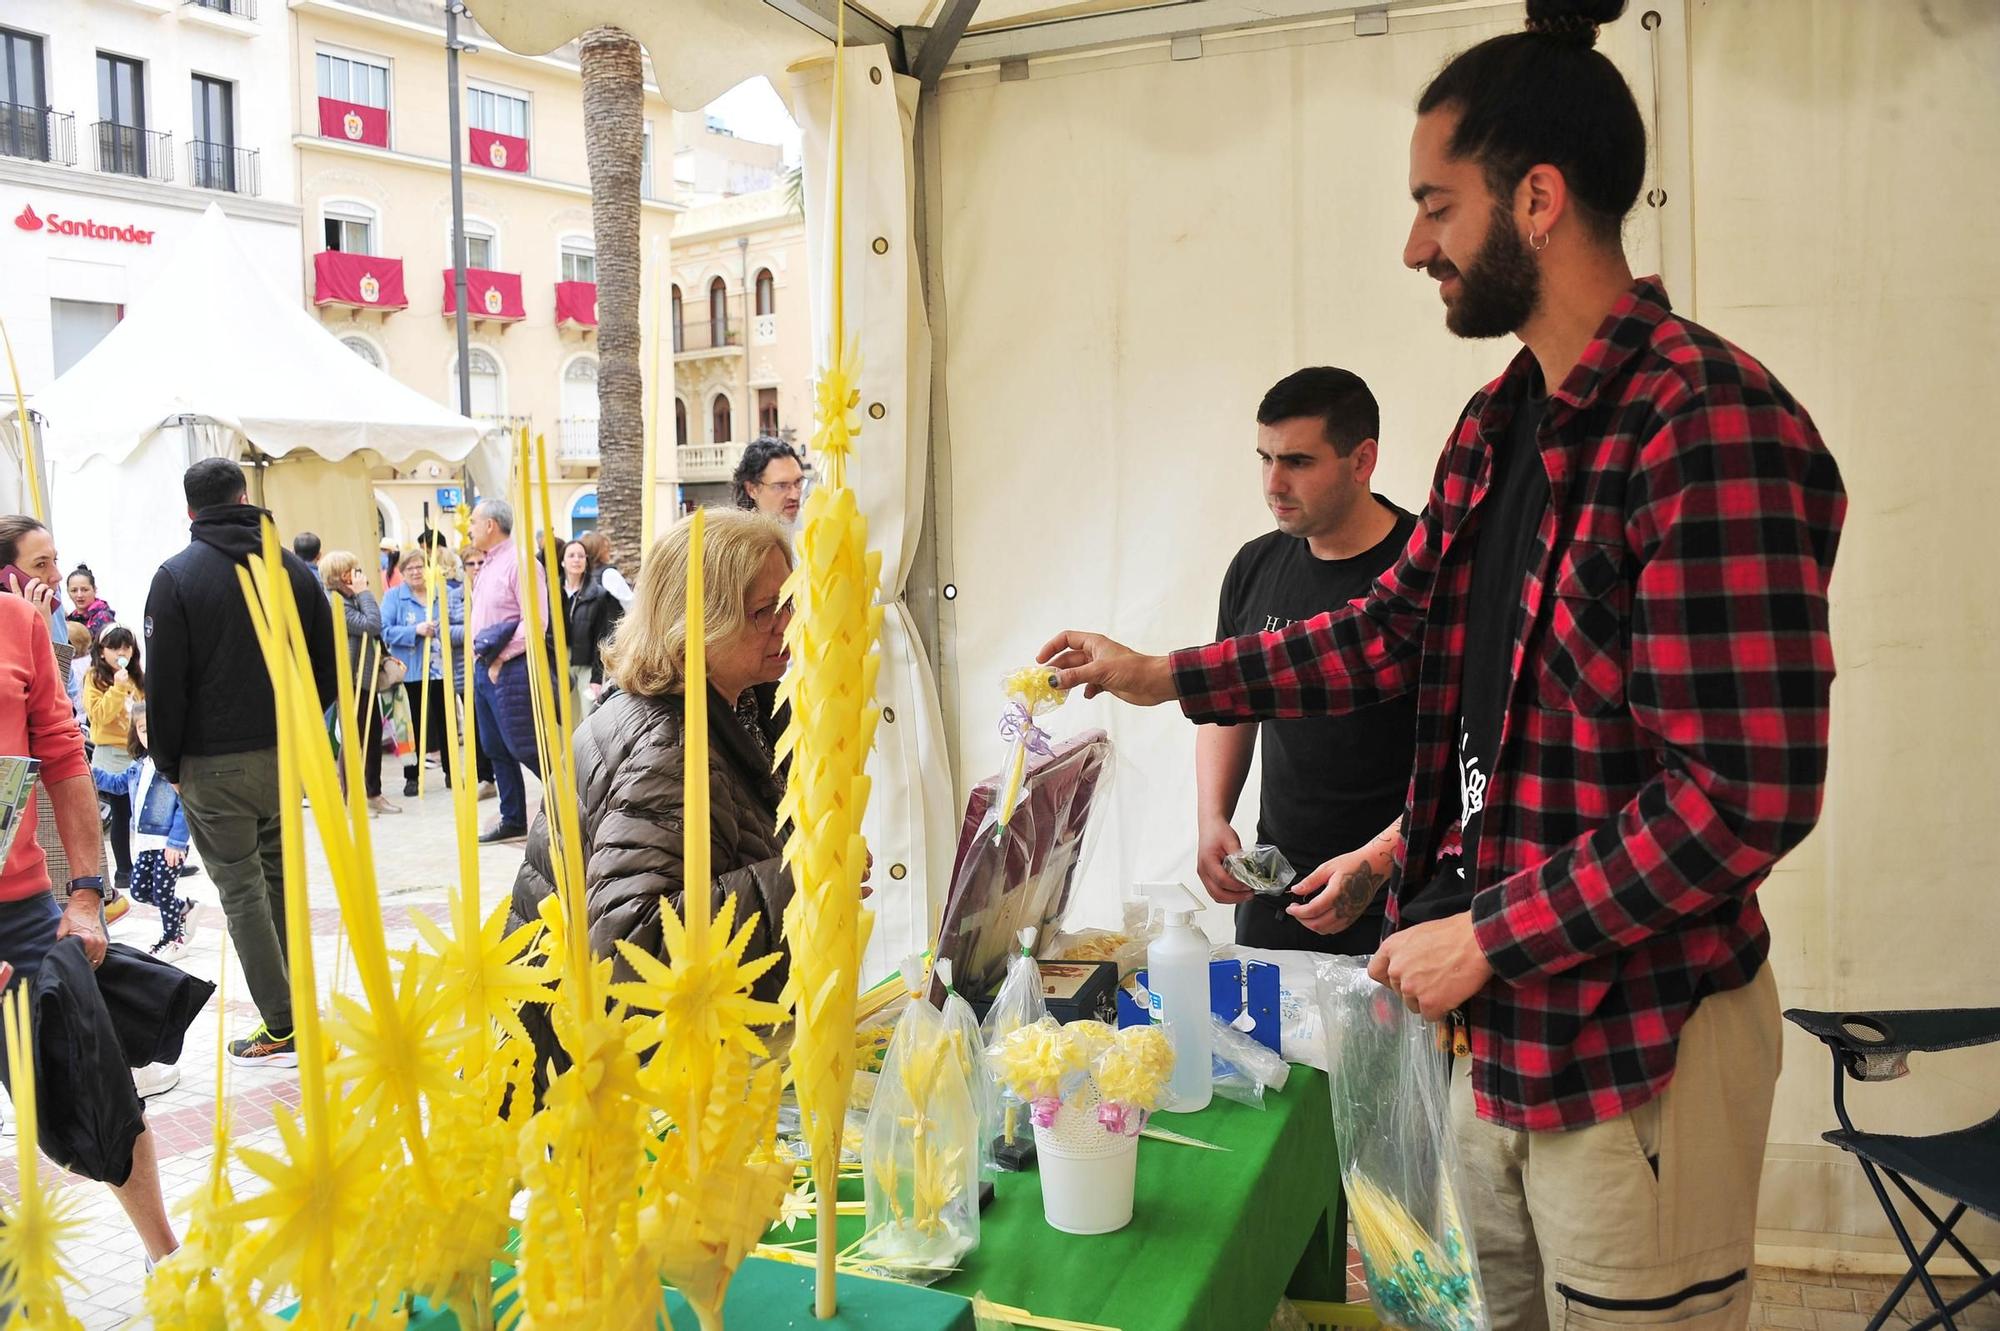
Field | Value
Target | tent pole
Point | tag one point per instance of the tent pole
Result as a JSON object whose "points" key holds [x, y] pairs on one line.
{"points": [[929, 591]]}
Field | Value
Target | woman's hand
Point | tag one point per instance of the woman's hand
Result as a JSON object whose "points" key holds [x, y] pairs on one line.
{"points": [[37, 593], [123, 676], [425, 629]]}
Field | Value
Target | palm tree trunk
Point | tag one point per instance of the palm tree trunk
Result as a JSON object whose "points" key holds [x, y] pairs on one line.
{"points": [[614, 97]]}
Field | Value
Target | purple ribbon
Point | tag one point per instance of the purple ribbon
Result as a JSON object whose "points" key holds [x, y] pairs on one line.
{"points": [[1121, 1119], [1017, 724], [1044, 1111]]}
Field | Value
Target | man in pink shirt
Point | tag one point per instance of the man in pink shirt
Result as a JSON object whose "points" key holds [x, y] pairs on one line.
{"points": [[499, 635], [36, 721]]}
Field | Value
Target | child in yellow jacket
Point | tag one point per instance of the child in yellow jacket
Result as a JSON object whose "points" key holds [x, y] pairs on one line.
{"points": [[116, 683]]}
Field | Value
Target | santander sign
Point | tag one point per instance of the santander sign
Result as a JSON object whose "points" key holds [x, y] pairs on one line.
{"points": [[29, 220]]}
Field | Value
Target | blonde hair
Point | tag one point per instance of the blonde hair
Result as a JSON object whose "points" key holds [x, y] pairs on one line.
{"points": [[412, 558], [79, 637], [648, 654], [448, 565], [334, 566]]}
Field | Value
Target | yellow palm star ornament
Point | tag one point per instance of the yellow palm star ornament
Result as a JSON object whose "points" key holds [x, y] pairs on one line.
{"points": [[831, 689], [38, 1225]]}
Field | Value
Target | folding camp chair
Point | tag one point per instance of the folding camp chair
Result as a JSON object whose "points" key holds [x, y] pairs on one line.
{"points": [[1963, 1165]]}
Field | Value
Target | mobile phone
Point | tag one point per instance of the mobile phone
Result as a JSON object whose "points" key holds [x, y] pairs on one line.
{"points": [[20, 576]]}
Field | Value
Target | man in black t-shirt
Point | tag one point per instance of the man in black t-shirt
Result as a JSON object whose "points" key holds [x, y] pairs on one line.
{"points": [[1332, 787]]}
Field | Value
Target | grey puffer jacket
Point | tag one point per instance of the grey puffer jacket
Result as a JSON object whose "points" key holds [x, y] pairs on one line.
{"points": [[629, 757]]}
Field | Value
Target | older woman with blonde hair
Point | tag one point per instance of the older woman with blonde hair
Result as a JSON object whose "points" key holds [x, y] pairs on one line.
{"points": [[343, 575], [629, 753]]}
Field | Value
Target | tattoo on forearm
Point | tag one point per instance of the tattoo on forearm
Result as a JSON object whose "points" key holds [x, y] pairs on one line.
{"points": [[1355, 890]]}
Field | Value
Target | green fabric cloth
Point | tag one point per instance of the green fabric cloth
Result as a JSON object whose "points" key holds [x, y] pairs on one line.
{"points": [[1215, 1237]]}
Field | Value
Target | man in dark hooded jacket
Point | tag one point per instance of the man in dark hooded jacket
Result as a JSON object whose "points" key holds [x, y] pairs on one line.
{"points": [[214, 726]]}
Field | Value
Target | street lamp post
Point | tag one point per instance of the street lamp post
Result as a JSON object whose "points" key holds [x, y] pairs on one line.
{"points": [[452, 46]]}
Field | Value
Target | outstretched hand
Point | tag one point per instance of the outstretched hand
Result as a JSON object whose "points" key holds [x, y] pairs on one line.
{"points": [[1096, 664]]}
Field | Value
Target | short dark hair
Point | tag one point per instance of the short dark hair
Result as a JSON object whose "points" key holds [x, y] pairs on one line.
{"points": [[758, 454], [306, 546], [1544, 95], [12, 528], [213, 482], [1341, 402]]}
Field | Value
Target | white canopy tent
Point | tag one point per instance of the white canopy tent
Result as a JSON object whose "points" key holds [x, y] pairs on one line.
{"points": [[208, 360], [1115, 224]]}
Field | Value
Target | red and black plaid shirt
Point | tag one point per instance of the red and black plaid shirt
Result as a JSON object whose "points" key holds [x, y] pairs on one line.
{"points": [[1664, 741]]}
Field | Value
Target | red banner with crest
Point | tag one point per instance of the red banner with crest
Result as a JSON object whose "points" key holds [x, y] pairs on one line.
{"points": [[576, 303], [353, 122], [489, 294], [366, 281], [502, 152]]}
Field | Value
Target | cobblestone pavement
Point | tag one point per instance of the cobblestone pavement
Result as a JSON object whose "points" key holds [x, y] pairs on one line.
{"points": [[416, 856]]}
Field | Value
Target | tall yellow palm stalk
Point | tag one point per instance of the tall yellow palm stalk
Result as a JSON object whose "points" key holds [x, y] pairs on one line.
{"points": [[322, 1233], [831, 689], [38, 1225], [581, 1264]]}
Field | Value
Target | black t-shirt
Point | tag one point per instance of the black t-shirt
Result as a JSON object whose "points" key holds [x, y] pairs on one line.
{"points": [[1330, 783], [1517, 496]]}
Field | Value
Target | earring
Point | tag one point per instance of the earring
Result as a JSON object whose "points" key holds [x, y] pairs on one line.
{"points": [[1538, 248]]}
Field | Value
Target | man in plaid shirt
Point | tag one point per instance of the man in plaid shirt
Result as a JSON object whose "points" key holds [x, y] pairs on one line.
{"points": [[1613, 613]]}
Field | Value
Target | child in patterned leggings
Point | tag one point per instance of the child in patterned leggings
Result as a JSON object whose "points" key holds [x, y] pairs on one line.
{"points": [[160, 838]]}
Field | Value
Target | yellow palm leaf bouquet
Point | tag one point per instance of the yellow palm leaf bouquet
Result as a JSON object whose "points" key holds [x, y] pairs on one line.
{"points": [[37, 1225]]}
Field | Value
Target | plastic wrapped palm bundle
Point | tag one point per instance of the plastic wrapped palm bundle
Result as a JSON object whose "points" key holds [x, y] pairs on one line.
{"points": [[1019, 1003], [920, 1156], [1030, 692], [1398, 1162], [962, 1029]]}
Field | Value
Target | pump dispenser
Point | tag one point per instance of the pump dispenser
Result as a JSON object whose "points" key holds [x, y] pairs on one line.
{"points": [[1177, 979]]}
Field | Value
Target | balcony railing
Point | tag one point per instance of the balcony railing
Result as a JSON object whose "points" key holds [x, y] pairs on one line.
{"points": [[234, 8], [127, 150], [37, 133], [507, 426], [703, 328], [223, 166], [576, 440], [707, 462]]}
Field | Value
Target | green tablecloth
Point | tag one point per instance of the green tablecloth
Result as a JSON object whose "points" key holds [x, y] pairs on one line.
{"points": [[1216, 1236]]}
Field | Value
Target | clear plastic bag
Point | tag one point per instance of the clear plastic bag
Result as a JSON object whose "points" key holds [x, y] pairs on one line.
{"points": [[1019, 1003], [1398, 1159], [1262, 869], [962, 1029], [920, 1155], [1244, 1069]]}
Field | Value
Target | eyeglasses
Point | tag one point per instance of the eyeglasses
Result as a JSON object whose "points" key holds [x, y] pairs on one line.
{"points": [[783, 487], [763, 620]]}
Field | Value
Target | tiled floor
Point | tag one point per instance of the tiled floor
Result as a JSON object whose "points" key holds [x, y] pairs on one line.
{"points": [[416, 855]]}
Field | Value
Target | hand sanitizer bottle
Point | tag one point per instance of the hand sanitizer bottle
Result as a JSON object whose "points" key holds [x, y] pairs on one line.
{"points": [[1177, 978]]}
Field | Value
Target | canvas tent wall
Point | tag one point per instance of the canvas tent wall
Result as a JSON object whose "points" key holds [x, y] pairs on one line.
{"points": [[1132, 218], [209, 361]]}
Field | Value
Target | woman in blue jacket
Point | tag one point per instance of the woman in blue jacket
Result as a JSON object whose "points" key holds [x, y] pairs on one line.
{"points": [[412, 616]]}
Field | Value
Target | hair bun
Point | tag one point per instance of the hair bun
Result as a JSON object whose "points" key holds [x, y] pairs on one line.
{"points": [[1572, 22]]}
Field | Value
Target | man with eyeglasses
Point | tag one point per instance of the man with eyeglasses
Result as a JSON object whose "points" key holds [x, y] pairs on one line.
{"points": [[771, 480]]}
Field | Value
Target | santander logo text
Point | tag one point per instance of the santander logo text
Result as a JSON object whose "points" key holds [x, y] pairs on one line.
{"points": [[85, 228]]}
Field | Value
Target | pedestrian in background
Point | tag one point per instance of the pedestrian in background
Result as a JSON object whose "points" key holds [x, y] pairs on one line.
{"points": [[412, 618], [342, 573], [115, 683]]}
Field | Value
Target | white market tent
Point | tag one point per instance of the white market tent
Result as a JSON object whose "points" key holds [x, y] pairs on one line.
{"points": [[1084, 238], [209, 360]]}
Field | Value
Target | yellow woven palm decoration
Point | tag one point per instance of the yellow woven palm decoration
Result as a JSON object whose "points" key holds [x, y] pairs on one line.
{"points": [[580, 1266], [716, 1184], [831, 688], [38, 1226]]}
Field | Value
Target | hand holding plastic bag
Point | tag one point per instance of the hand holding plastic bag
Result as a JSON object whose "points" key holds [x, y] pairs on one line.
{"points": [[1398, 1159]]}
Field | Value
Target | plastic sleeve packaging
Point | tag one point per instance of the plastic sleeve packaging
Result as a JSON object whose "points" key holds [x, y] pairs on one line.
{"points": [[1244, 1068], [1019, 1003], [1398, 1159], [920, 1154], [969, 1046]]}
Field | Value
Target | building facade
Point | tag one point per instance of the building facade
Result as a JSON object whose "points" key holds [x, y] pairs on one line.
{"points": [[121, 121], [371, 116], [742, 333]]}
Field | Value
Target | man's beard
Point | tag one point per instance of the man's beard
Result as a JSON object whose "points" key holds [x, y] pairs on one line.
{"points": [[1500, 288]]}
